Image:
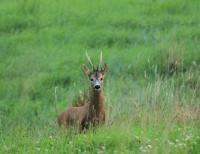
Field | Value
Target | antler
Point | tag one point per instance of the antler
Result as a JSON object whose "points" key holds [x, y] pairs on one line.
{"points": [[100, 61], [90, 61]]}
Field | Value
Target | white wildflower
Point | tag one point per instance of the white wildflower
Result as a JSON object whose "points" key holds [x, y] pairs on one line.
{"points": [[177, 140], [170, 143], [150, 146], [141, 148], [148, 140], [103, 147]]}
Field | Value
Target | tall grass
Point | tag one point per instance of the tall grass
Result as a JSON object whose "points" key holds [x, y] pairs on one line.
{"points": [[151, 89]]}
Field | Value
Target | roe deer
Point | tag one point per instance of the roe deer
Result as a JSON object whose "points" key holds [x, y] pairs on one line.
{"points": [[91, 113]]}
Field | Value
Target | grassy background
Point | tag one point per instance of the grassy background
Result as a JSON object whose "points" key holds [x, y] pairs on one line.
{"points": [[152, 87]]}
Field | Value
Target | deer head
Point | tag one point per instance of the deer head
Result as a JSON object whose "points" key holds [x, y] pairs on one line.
{"points": [[96, 76]]}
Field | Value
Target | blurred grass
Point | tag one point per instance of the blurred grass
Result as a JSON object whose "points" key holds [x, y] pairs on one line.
{"points": [[152, 50]]}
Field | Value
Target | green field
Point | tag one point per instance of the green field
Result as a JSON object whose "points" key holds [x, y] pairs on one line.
{"points": [[152, 88]]}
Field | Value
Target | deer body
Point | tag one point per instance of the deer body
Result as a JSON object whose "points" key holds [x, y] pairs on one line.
{"points": [[91, 113]]}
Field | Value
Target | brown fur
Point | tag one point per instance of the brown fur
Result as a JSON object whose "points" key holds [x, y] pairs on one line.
{"points": [[92, 113]]}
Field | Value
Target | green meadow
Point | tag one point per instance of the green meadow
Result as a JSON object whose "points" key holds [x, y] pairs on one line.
{"points": [[152, 88]]}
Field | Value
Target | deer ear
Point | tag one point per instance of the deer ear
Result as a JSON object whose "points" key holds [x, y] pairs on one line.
{"points": [[104, 68], [86, 70]]}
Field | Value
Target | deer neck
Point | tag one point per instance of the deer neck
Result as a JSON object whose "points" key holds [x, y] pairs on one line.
{"points": [[96, 101]]}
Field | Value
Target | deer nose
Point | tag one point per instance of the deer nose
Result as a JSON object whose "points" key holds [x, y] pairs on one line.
{"points": [[97, 87]]}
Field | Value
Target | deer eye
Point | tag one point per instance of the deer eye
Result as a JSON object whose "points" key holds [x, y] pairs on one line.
{"points": [[91, 79], [101, 79]]}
